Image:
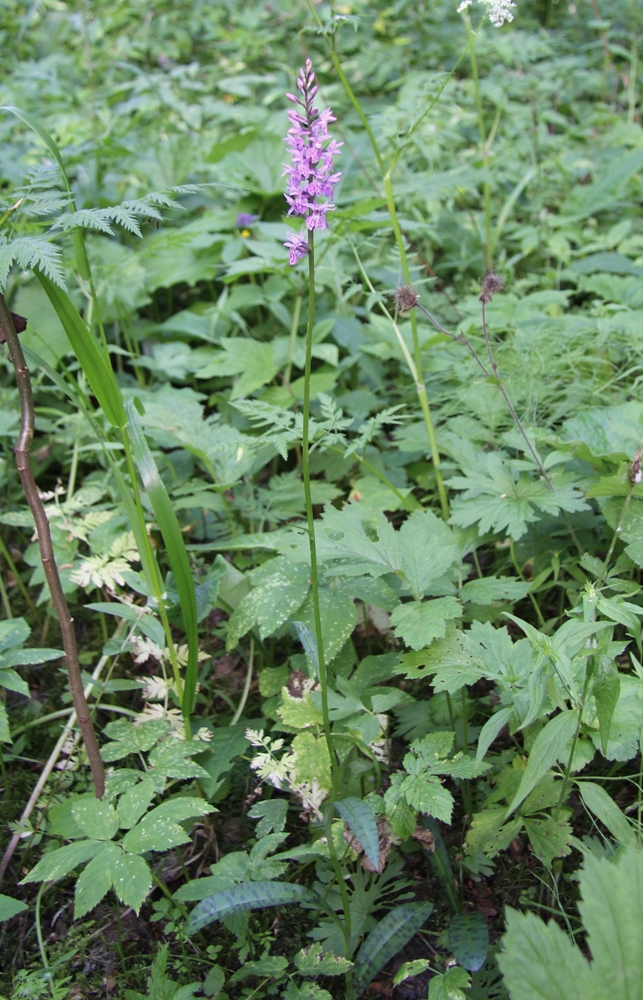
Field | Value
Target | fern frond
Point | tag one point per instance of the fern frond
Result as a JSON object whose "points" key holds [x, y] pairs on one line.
{"points": [[30, 253]]}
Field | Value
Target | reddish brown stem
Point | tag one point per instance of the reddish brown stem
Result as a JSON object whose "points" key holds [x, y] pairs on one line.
{"points": [[22, 449]]}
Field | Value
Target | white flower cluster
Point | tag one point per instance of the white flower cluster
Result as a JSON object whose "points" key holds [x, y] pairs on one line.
{"points": [[283, 772], [499, 11]]}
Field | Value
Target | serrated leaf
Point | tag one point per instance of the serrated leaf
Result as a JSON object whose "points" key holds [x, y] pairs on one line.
{"points": [[159, 829], [419, 623], [387, 939], [494, 588], [469, 939], [135, 802], [426, 550], [539, 962], [311, 962], [252, 896], [550, 744], [128, 738], [450, 985], [12, 681], [549, 838], [312, 759], [95, 880], [132, 880], [97, 820], [60, 862], [172, 758], [10, 907], [359, 817], [410, 969]]}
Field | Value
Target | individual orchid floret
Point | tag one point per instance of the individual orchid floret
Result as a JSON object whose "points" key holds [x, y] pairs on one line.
{"points": [[499, 11], [298, 247], [311, 175]]}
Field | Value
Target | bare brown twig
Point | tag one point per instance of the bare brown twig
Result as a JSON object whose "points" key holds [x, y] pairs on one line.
{"points": [[22, 449]]}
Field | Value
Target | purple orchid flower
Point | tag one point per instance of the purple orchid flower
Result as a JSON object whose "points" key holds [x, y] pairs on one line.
{"points": [[310, 176]]}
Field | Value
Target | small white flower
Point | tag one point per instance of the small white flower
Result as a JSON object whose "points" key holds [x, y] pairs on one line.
{"points": [[499, 11]]}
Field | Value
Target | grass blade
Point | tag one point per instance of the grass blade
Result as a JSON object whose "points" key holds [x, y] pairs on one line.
{"points": [[174, 544]]}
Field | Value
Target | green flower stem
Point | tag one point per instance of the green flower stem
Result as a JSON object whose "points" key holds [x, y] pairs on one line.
{"points": [[486, 189], [419, 374], [4, 551], [305, 454], [323, 673]]}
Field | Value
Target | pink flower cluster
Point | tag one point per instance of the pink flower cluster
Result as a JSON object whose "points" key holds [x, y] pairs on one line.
{"points": [[310, 176]]}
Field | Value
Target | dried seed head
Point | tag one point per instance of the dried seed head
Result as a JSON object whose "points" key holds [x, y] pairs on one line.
{"points": [[405, 298], [491, 284]]}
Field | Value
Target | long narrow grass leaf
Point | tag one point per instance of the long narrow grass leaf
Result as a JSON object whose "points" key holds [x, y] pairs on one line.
{"points": [[174, 544], [92, 360]]}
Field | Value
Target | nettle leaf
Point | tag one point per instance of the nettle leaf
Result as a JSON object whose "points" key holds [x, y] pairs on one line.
{"points": [[310, 962], [253, 896], [419, 623], [426, 550], [359, 817], [60, 862], [539, 962], [387, 940], [97, 820], [128, 738]]}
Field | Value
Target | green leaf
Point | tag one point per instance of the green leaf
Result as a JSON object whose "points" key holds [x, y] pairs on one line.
{"points": [[539, 962], [338, 619], [12, 681], [252, 896], [60, 862], [596, 799], [549, 838], [549, 746], [159, 829], [174, 545], [132, 880], [359, 816], [410, 969], [306, 991], [418, 624], [99, 372], [310, 962], [469, 939], [449, 986], [5, 733], [172, 759], [251, 359], [10, 907], [31, 253], [95, 880], [97, 820], [607, 687], [135, 802], [426, 550], [492, 727], [387, 939], [494, 588], [312, 759], [128, 738]]}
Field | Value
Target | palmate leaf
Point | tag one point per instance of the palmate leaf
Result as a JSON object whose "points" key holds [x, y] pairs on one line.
{"points": [[387, 939], [251, 896], [419, 623], [60, 862], [498, 499]]}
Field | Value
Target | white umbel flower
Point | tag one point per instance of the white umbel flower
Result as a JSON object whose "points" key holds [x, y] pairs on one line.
{"points": [[499, 11]]}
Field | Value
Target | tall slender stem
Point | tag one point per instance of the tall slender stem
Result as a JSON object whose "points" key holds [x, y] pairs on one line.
{"points": [[22, 449], [486, 189], [305, 464]]}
